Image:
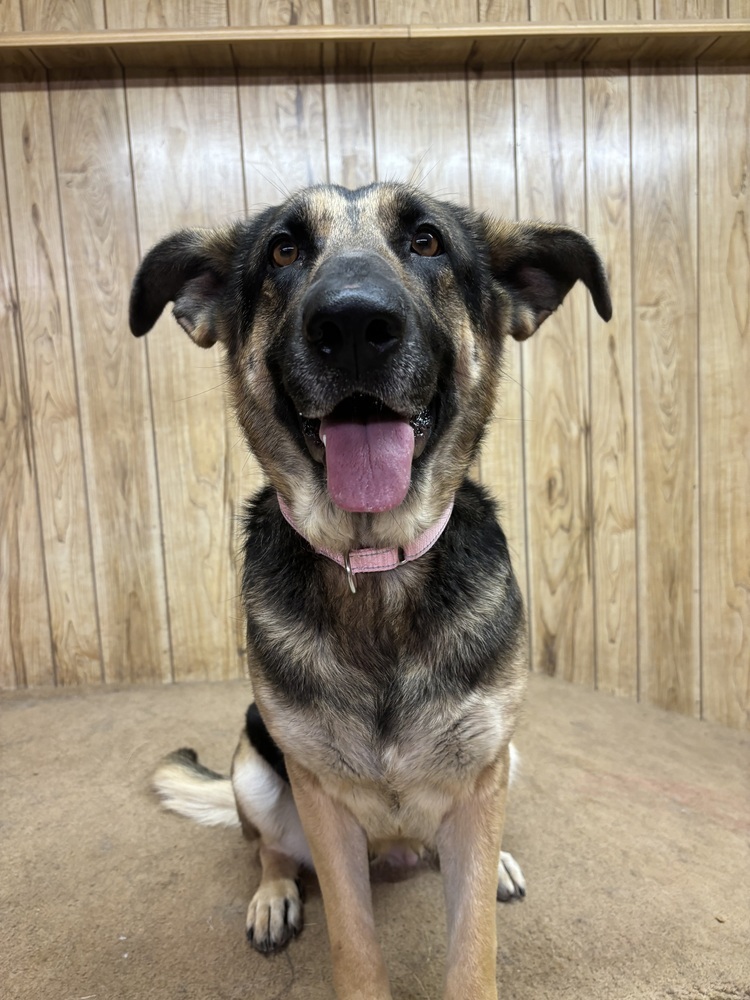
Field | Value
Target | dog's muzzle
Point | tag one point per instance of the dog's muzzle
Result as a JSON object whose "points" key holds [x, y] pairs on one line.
{"points": [[354, 316], [358, 334]]}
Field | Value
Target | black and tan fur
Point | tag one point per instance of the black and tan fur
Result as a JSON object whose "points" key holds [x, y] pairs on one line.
{"points": [[383, 718]]}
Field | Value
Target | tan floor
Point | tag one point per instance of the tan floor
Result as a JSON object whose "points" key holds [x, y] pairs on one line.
{"points": [[631, 826]]}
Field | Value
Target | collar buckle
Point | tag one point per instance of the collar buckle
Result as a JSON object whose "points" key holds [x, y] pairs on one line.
{"points": [[350, 577]]}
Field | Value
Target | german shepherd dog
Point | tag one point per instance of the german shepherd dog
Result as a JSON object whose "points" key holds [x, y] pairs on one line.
{"points": [[363, 333]]}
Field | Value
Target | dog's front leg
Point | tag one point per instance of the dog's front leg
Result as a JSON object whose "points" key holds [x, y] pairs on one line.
{"points": [[469, 845], [339, 849]]}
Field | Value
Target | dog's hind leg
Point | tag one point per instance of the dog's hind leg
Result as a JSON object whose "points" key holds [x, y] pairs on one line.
{"points": [[266, 807]]}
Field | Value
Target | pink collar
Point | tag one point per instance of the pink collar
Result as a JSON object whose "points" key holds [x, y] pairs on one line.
{"points": [[378, 560]]}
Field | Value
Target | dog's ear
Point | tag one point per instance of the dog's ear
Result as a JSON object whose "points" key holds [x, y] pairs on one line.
{"points": [[190, 268], [538, 264]]}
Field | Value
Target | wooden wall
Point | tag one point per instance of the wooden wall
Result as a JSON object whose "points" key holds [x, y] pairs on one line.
{"points": [[621, 452]]}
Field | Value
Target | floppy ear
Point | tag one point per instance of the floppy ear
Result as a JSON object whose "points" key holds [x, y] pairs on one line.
{"points": [[190, 268], [538, 264]]}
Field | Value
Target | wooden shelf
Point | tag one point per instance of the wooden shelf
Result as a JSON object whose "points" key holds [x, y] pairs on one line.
{"points": [[391, 47]]}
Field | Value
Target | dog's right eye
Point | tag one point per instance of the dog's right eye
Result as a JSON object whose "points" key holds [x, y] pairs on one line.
{"points": [[284, 251]]}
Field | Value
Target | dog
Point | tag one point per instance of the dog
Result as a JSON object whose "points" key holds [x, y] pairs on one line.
{"points": [[363, 334]]}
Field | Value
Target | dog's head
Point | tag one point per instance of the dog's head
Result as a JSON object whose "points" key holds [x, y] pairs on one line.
{"points": [[363, 334]]}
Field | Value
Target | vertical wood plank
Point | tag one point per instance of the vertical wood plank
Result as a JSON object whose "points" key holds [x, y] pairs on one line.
{"points": [[493, 186], [162, 14], [425, 11], [63, 15], [503, 10], [187, 166], [630, 10], [724, 368], [96, 191], [275, 12], [50, 368], [348, 11], [283, 128], [664, 245], [677, 10], [421, 123], [25, 647], [607, 112], [739, 8], [421, 131], [10, 16], [549, 136], [564, 11], [348, 100]]}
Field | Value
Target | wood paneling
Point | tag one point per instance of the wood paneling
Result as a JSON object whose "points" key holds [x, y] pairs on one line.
{"points": [[63, 15], [425, 11], [52, 379], [503, 10], [608, 208], [275, 12], [664, 176], [101, 251], [724, 371], [191, 176], [10, 16], [621, 453], [162, 13], [674, 10], [549, 137], [25, 647], [629, 10], [556, 11], [493, 188]]}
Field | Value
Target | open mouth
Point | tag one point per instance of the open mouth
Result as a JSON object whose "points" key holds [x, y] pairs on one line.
{"points": [[368, 451]]}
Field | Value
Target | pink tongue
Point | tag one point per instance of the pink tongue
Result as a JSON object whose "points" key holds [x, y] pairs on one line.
{"points": [[368, 464]]}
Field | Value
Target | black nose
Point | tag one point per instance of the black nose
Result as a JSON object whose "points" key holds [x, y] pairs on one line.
{"points": [[354, 315]]}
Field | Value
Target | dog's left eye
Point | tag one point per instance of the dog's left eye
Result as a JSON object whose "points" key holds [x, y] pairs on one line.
{"points": [[427, 243], [284, 251]]}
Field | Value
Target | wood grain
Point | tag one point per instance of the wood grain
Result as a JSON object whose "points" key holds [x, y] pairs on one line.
{"points": [[25, 642], [10, 16], [348, 11], [549, 136], [63, 15], [629, 10], [292, 12], [421, 131], [101, 254], [675, 10], [493, 187], [52, 379], [724, 270], [503, 10], [187, 166], [162, 13], [348, 99], [283, 129], [608, 208], [425, 11], [559, 11], [664, 247]]}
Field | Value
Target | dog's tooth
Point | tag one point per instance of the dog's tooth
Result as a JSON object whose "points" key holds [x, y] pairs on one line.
{"points": [[323, 439]]}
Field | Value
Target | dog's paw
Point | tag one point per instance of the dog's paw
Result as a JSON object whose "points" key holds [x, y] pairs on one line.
{"points": [[510, 881], [274, 915]]}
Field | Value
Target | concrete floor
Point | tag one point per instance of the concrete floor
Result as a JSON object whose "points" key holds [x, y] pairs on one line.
{"points": [[631, 826]]}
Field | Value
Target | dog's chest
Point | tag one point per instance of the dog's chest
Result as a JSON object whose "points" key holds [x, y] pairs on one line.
{"points": [[399, 783]]}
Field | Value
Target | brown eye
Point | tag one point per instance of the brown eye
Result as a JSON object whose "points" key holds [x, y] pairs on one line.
{"points": [[284, 252], [426, 243]]}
